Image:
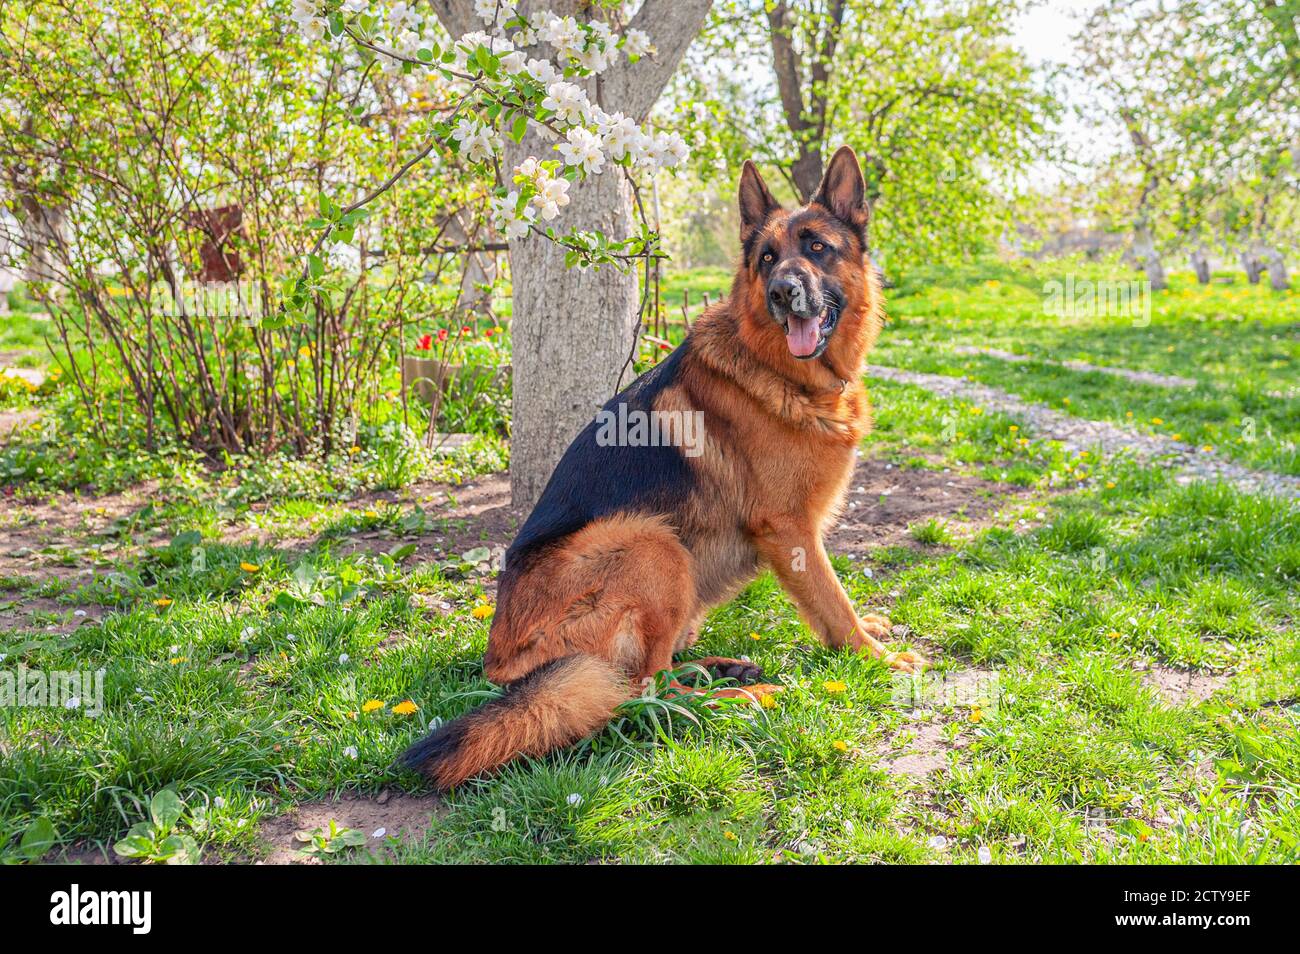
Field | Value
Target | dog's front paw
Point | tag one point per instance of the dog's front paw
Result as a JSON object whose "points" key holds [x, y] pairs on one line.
{"points": [[871, 630]]}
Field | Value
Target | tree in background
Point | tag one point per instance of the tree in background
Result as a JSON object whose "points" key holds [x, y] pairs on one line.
{"points": [[943, 111], [1206, 92]]}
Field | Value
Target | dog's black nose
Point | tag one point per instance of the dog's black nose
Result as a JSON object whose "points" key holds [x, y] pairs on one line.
{"points": [[782, 291]]}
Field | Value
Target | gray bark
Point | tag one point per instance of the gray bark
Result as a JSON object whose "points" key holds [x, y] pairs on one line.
{"points": [[573, 328], [1144, 248], [1253, 266], [1275, 264], [1201, 265]]}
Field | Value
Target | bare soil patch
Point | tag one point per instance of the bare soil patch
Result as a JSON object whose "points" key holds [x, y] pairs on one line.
{"points": [[387, 815], [884, 500], [1183, 686]]}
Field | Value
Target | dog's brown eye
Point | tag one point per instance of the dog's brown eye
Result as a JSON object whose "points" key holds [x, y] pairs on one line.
{"points": [[818, 247], [768, 257]]}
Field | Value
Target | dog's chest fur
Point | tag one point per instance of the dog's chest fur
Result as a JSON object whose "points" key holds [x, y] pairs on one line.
{"points": [[772, 453]]}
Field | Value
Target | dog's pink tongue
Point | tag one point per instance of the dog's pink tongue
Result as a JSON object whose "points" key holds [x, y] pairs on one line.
{"points": [[801, 336]]}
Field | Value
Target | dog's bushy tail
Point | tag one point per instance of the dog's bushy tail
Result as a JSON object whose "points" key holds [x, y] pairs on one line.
{"points": [[555, 705]]}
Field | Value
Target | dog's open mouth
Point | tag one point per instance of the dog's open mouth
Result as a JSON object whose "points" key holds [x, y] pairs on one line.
{"points": [[806, 337]]}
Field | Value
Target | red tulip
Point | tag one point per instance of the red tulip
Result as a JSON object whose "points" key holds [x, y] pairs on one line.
{"points": [[426, 343]]}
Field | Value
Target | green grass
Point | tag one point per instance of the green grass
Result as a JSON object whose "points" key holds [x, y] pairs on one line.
{"points": [[247, 692], [1238, 341]]}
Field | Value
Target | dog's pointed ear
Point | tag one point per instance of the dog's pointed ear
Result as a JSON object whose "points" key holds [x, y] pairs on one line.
{"points": [[843, 191], [756, 202]]}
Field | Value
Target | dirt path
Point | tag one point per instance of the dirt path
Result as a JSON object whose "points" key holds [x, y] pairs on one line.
{"points": [[1077, 433], [1129, 374]]}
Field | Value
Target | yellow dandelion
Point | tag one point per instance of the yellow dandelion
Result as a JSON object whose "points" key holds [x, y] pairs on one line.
{"points": [[840, 745], [1157, 421], [976, 714], [834, 686], [1013, 428], [729, 835], [1207, 449], [1110, 485], [977, 411], [162, 601], [1178, 437], [176, 660], [482, 611], [405, 708], [1128, 413], [353, 451], [1114, 634], [371, 514], [371, 705], [304, 352], [1065, 400], [755, 636], [249, 567], [767, 700]]}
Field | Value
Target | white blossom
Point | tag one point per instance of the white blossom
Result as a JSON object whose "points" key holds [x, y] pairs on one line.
{"points": [[407, 43], [673, 150], [489, 9], [355, 6], [637, 43], [581, 148], [477, 142], [617, 133], [515, 224], [552, 195], [564, 34], [593, 59], [543, 71], [403, 17], [514, 63], [567, 101]]}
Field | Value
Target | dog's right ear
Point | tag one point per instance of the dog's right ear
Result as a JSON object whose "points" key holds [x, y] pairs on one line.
{"points": [[756, 202]]}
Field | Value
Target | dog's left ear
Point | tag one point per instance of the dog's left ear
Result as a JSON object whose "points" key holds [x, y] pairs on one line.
{"points": [[843, 191]]}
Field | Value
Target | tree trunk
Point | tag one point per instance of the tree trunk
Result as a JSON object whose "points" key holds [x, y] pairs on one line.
{"points": [[573, 328], [1276, 266], [1201, 265], [1253, 266], [1144, 247], [42, 227]]}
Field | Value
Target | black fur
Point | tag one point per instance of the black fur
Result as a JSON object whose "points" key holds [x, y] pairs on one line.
{"points": [[592, 481], [438, 744]]}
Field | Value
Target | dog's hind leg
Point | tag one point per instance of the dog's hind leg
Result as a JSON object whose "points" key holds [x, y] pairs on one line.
{"points": [[620, 589]]}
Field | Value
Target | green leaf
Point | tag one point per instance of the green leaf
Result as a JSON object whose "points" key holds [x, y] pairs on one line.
{"points": [[134, 846], [166, 809], [39, 837]]}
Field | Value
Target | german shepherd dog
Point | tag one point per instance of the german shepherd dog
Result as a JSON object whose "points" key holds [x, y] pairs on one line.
{"points": [[629, 546]]}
